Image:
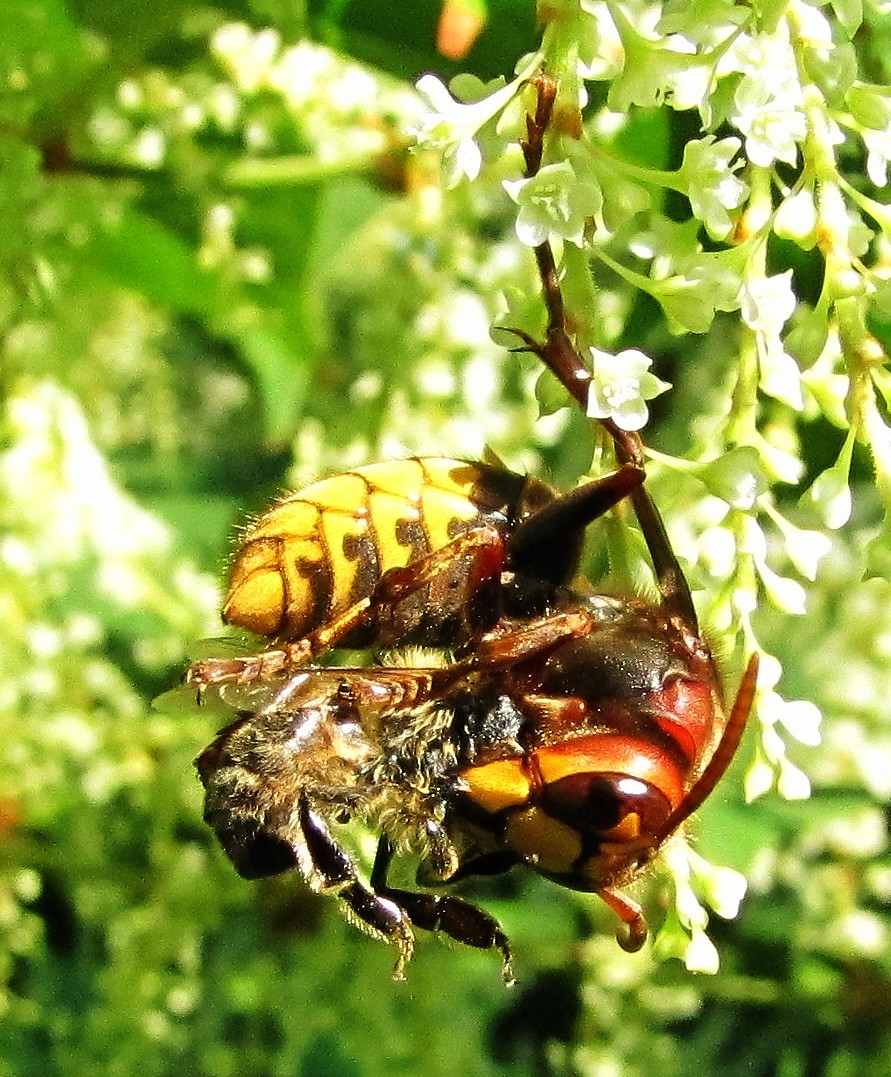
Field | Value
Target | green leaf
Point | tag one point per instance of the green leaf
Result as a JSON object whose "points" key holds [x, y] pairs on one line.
{"points": [[40, 50], [870, 105], [849, 13], [140, 253], [282, 367]]}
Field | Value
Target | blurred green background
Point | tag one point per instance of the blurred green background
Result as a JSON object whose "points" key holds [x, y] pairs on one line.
{"points": [[221, 274]]}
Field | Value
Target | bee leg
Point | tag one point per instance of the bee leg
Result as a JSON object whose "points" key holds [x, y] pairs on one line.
{"points": [[529, 640], [379, 613], [531, 543], [459, 920], [437, 912], [329, 870]]}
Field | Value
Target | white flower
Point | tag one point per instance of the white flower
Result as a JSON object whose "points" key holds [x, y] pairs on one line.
{"points": [[831, 493], [804, 548], [723, 888], [454, 125], [793, 784], [799, 717], [553, 202], [248, 56], [464, 160], [771, 118], [878, 146], [687, 85], [701, 954], [786, 594], [451, 127], [796, 218], [149, 147], [620, 386], [767, 304], [300, 72], [758, 780], [812, 28], [711, 186], [802, 719], [737, 477]]}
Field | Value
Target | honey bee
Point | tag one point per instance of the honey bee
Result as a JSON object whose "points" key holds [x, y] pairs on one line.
{"points": [[566, 730]]}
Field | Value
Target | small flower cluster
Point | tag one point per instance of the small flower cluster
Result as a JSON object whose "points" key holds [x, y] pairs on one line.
{"points": [[788, 101], [695, 881], [340, 114], [337, 104]]}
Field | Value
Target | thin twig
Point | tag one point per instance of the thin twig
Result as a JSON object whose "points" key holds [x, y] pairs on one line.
{"points": [[561, 356]]}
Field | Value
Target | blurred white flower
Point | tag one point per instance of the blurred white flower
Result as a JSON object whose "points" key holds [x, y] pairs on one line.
{"points": [[300, 71], [247, 55], [878, 147], [793, 784]]}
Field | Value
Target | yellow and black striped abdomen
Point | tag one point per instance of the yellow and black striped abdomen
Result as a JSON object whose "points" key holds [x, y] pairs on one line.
{"points": [[313, 554]]}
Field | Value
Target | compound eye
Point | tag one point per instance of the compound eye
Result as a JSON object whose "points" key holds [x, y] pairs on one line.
{"points": [[609, 807]]}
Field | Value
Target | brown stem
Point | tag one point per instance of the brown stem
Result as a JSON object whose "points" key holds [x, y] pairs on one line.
{"points": [[561, 356], [546, 90]]}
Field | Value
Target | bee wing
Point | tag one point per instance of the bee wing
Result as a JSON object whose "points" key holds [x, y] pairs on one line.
{"points": [[225, 697], [221, 647], [181, 702], [370, 690], [374, 690]]}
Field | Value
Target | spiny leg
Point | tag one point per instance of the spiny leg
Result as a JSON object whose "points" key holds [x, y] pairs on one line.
{"points": [[507, 648], [330, 870], [437, 912]]}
